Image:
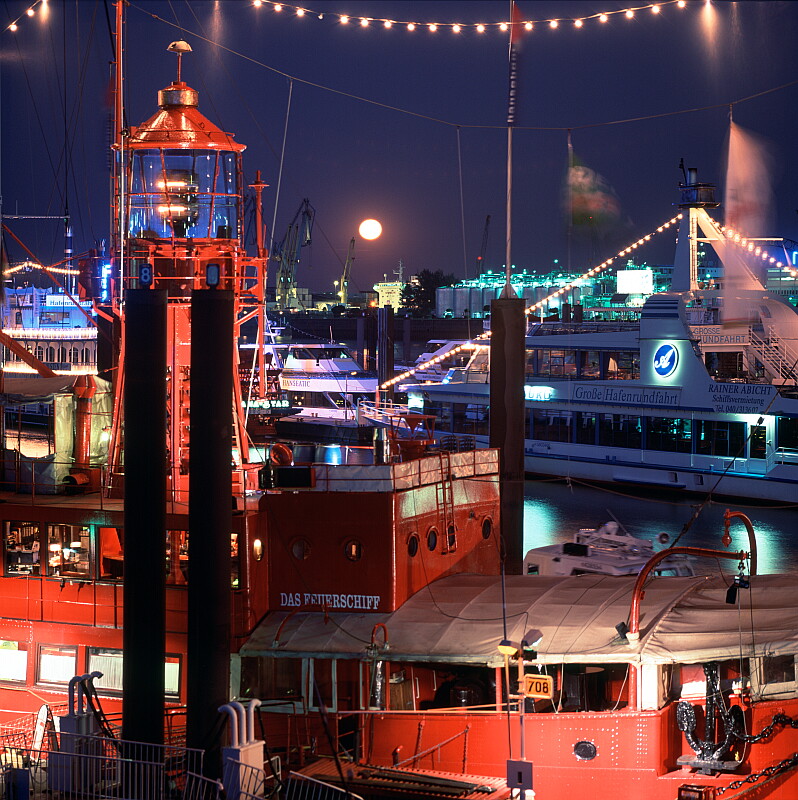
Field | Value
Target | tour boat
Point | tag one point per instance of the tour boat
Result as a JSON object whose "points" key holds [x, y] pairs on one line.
{"points": [[700, 396]]}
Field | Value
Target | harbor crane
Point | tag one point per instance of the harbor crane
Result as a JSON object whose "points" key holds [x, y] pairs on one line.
{"points": [[287, 252], [343, 293], [481, 256]]}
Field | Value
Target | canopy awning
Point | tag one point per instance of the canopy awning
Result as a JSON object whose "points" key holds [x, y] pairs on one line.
{"points": [[459, 619], [16, 391]]}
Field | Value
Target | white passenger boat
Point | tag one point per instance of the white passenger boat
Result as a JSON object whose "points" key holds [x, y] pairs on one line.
{"points": [[687, 399], [606, 550], [324, 383]]}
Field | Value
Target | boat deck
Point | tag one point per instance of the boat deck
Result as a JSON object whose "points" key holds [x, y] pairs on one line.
{"points": [[380, 782]]}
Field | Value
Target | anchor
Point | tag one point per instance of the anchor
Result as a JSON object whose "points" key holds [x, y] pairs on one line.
{"points": [[709, 754]]}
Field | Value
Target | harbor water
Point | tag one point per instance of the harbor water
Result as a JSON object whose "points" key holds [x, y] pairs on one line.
{"points": [[555, 509]]}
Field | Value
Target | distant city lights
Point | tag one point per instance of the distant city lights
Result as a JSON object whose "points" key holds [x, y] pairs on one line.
{"points": [[474, 343]]}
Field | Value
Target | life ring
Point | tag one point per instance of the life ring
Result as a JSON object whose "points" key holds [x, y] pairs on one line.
{"points": [[281, 455]]}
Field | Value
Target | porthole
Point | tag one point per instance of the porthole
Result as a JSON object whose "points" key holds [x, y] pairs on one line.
{"points": [[487, 527], [585, 751], [412, 546], [432, 539], [301, 549], [353, 550], [257, 549]]}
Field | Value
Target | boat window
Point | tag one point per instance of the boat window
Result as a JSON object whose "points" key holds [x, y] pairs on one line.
{"points": [[551, 426], [432, 539], [589, 364], [112, 557], [56, 663], [619, 430], [585, 428], [487, 527], [719, 438], [532, 569], [13, 661], [671, 435], [69, 551], [300, 549], [271, 679], [774, 676], [622, 365], [556, 363], [110, 661], [353, 550], [322, 683], [787, 433], [412, 545], [451, 538], [758, 445], [22, 548]]}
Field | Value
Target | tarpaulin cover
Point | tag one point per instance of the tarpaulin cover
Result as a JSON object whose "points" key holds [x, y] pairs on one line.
{"points": [[459, 619]]}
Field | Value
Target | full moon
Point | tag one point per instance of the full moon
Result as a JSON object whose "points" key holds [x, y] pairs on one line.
{"points": [[370, 229]]}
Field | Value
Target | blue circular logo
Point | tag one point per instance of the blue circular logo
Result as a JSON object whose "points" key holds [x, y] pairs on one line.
{"points": [[666, 360]]}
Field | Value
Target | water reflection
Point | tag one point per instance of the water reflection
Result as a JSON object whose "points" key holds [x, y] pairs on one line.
{"points": [[553, 512]]}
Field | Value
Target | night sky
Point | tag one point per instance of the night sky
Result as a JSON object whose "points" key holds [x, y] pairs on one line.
{"points": [[436, 118]]}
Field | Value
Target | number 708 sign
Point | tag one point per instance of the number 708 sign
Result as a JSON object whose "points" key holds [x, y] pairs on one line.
{"points": [[539, 686]]}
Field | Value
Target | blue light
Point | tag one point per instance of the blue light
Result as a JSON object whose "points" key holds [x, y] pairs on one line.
{"points": [[105, 282]]}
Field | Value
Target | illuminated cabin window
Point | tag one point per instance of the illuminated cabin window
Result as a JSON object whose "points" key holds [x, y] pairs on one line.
{"points": [[235, 562], [56, 663], [110, 663], [111, 553], [22, 547], [69, 551], [353, 550], [177, 557], [13, 661]]}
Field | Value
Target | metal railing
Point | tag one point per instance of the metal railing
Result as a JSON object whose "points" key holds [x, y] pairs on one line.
{"points": [[96, 767]]}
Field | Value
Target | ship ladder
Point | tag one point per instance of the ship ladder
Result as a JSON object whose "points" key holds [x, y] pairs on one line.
{"points": [[444, 495]]}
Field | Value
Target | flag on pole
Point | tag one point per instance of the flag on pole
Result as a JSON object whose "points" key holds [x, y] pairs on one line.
{"points": [[749, 191], [516, 26], [591, 200]]}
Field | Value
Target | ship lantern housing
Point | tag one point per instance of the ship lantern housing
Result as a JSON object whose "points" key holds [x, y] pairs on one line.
{"points": [[185, 173]]}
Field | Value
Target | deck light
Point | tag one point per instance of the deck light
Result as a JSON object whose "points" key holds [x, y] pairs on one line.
{"points": [[508, 648]]}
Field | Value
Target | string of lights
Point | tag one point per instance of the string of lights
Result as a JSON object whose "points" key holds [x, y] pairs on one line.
{"points": [[552, 23], [754, 249], [474, 343], [29, 12], [30, 265]]}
